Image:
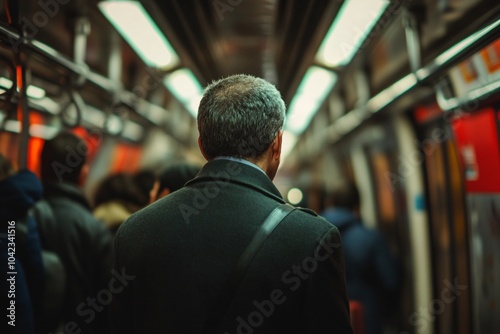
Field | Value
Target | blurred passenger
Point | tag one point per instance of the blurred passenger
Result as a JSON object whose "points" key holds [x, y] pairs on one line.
{"points": [[180, 251], [175, 177], [148, 185], [116, 198], [372, 273], [68, 228], [18, 193]]}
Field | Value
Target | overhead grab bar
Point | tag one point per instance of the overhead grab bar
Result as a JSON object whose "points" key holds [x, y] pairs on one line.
{"points": [[442, 63], [481, 93], [16, 40], [77, 101]]}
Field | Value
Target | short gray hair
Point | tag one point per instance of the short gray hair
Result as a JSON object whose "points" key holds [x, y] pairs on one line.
{"points": [[239, 116]]}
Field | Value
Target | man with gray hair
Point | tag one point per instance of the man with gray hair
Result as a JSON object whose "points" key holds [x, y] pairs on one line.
{"points": [[184, 251]]}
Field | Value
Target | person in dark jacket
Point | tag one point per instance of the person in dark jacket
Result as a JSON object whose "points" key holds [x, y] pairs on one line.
{"points": [[178, 253], [116, 198], [147, 184], [372, 272], [174, 177], [18, 193], [83, 243]]}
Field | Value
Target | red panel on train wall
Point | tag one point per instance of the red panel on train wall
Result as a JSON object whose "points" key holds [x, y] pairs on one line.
{"points": [[35, 146], [427, 113], [478, 143], [126, 158], [93, 138]]}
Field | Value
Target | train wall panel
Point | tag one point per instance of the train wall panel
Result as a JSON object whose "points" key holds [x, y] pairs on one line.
{"points": [[484, 215], [477, 140]]}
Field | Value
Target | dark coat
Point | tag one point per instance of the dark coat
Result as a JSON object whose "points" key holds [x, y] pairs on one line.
{"points": [[18, 193], [372, 273], [178, 252], [85, 247]]}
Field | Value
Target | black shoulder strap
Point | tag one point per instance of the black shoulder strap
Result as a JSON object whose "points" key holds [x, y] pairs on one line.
{"points": [[227, 294]]}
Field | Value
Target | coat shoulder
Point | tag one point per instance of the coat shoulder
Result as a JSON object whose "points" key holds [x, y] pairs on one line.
{"points": [[309, 211], [309, 221]]}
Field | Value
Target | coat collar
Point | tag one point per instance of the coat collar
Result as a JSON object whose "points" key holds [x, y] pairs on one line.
{"points": [[65, 190], [235, 172]]}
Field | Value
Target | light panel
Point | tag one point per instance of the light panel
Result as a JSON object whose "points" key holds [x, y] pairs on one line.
{"points": [[315, 86], [186, 88], [137, 27], [33, 91], [349, 30]]}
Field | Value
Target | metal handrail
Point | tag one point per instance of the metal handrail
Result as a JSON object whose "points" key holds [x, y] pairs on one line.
{"points": [[53, 55], [451, 57], [481, 93]]}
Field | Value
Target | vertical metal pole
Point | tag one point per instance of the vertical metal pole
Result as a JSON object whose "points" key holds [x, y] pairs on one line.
{"points": [[412, 41]]}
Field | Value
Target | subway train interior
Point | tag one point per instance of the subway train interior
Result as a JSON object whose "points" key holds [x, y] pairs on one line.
{"points": [[401, 97]]}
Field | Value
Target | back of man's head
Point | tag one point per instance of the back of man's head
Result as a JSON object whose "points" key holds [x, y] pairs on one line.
{"points": [[239, 116], [63, 157]]}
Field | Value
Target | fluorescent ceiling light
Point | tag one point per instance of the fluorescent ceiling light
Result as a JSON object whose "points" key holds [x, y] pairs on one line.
{"points": [[186, 88], [350, 28], [140, 31], [5, 84], [33, 91], [315, 86]]}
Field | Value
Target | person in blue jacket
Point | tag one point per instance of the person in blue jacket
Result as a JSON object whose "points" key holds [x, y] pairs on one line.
{"points": [[372, 273], [23, 292]]}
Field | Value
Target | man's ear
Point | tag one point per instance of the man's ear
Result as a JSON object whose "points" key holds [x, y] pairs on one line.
{"points": [[201, 149], [276, 146]]}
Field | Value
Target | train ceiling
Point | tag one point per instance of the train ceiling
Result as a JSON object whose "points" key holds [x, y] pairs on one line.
{"points": [[274, 39]]}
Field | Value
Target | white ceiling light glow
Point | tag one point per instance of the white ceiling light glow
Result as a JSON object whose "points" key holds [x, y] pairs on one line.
{"points": [[186, 88], [33, 92], [349, 30], [135, 25], [315, 86]]}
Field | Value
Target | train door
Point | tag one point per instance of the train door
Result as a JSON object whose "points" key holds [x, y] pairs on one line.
{"points": [[375, 161], [477, 137], [450, 307]]}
